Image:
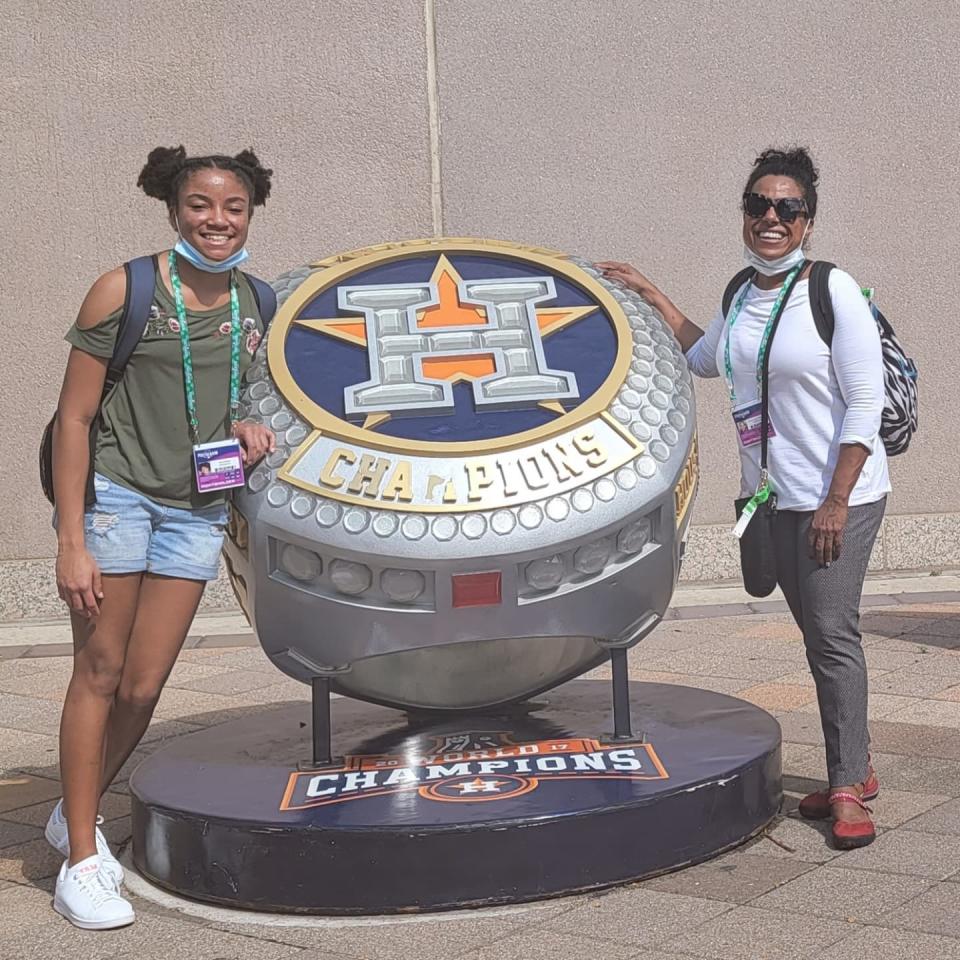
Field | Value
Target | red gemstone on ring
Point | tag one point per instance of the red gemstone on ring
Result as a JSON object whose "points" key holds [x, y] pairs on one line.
{"points": [[476, 589]]}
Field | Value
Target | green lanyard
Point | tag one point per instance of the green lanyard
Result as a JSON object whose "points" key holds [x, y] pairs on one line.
{"points": [[189, 387], [765, 340]]}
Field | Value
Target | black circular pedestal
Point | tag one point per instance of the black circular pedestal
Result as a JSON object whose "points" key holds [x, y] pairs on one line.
{"points": [[437, 812]]}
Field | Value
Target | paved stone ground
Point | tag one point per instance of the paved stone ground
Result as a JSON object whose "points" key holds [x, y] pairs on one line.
{"points": [[786, 895]]}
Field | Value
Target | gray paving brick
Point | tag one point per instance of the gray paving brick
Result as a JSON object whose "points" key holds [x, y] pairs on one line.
{"points": [[634, 915], [437, 935], [26, 862], [25, 790], [29, 928], [546, 945], [906, 739], [734, 877], [932, 775], [907, 683], [942, 819], [938, 664], [878, 943], [232, 683], [15, 833], [853, 895], [892, 623], [25, 752], [746, 933], [878, 659], [928, 596], [226, 640], [800, 727], [936, 910], [805, 841], [904, 851], [28, 713], [14, 653], [709, 663], [894, 808], [709, 611]]}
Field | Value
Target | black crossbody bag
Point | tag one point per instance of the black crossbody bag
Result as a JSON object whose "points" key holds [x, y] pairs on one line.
{"points": [[758, 555]]}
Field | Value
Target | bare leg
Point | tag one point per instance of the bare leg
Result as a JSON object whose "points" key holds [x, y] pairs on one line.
{"points": [[165, 610], [99, 650]]}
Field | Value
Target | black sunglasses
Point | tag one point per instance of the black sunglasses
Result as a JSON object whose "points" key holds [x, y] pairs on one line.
{"points": [[786, 208]]}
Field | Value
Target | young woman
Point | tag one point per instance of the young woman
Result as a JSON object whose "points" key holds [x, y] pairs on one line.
{"points": [[827, 464], [133, 566]]}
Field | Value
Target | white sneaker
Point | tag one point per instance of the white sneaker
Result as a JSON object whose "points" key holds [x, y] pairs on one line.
{"points": [[86, 896], [58, 838]]}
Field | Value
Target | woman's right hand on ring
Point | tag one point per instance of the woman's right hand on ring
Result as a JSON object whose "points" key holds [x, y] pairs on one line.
{"points": [[629, 276], [78, 581]]}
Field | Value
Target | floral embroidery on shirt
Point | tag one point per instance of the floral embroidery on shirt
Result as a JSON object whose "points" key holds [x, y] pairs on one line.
{"points": [[157, 324], [253, 341]]}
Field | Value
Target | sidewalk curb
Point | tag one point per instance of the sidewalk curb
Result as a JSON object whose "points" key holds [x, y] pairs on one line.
{"points": [[51, 638]]}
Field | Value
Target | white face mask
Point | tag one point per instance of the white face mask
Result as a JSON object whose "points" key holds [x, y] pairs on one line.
{"points": [[772, 268]]}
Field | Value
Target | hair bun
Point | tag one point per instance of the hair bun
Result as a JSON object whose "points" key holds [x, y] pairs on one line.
{"points": [[796, 157], [158, 173], [258, 173], [168, 167]]}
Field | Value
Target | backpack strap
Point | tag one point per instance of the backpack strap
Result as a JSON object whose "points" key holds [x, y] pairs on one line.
{"points": [[820, 303], [734, 285], [265, 296], [141, 274]]}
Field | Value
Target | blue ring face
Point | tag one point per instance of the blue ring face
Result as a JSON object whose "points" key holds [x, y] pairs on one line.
{"points": [[329, 359]]}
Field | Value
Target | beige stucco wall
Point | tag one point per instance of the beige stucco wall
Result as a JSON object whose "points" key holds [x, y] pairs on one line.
{"points": [[615, 128]]}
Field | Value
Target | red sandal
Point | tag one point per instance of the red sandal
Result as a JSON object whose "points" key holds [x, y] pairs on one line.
{"points": [[849, 835], [816, 806]]}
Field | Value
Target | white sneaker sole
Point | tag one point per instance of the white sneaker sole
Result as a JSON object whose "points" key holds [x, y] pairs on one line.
{"points": [[113, 924]]}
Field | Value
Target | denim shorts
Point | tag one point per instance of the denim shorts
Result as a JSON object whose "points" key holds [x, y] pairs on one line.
{"points": [[126, 532]]}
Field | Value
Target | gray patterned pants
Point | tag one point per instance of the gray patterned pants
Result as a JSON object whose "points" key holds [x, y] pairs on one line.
{"points": [[825, 602]]}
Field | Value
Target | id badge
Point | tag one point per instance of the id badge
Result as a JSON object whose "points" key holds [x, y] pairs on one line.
{"points": [[218, 465], [747, 419]]}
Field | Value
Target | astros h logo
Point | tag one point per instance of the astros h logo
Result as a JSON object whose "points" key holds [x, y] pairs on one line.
{"points": [[421, 365]]}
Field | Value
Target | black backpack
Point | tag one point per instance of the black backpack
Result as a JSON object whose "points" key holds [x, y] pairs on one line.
{"points": [[899, 420], [141, 275]]}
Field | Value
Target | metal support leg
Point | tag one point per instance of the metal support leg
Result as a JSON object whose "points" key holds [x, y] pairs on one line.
{"points": [[621, 694], [320, 688]]}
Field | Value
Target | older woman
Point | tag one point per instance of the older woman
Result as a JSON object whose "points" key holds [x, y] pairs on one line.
{"points": [[826, 462], [133, 565]]}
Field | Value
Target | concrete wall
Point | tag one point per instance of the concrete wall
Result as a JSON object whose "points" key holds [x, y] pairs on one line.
{"points": [[616, 128]]}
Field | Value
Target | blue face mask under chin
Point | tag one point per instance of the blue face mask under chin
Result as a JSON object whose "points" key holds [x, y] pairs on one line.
{"points": [[192, 255]]}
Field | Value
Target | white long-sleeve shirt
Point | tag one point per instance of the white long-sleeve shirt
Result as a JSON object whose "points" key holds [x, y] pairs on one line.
{"points": [[819, 396]]}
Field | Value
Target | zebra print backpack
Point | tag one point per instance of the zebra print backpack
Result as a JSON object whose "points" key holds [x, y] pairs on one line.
{"points": [[900, 409]]}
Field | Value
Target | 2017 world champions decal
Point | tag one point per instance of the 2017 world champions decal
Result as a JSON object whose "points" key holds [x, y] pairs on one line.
{"points": [[473, 768]]}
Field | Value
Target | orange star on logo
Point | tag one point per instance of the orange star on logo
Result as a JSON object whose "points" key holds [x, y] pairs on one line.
{"points": [[450, 313]]}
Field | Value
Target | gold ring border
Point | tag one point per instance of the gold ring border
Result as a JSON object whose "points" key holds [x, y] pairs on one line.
{"points": [[327, 423], [372, 503]]}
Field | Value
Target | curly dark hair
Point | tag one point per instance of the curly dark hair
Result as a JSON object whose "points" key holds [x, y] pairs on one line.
{"points": [[795, 163], [167, 168]]}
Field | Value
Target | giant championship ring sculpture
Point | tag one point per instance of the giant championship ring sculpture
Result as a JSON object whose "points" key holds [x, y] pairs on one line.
{"points": [[486, 458], [486, 455]]}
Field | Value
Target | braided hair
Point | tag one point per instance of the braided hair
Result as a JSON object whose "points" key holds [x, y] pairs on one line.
{"points": [[795, 163], [167, 168]]}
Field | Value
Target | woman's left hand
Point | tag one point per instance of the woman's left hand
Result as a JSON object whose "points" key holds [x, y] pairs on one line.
{"points": [[826, 531], [256, 440]]}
